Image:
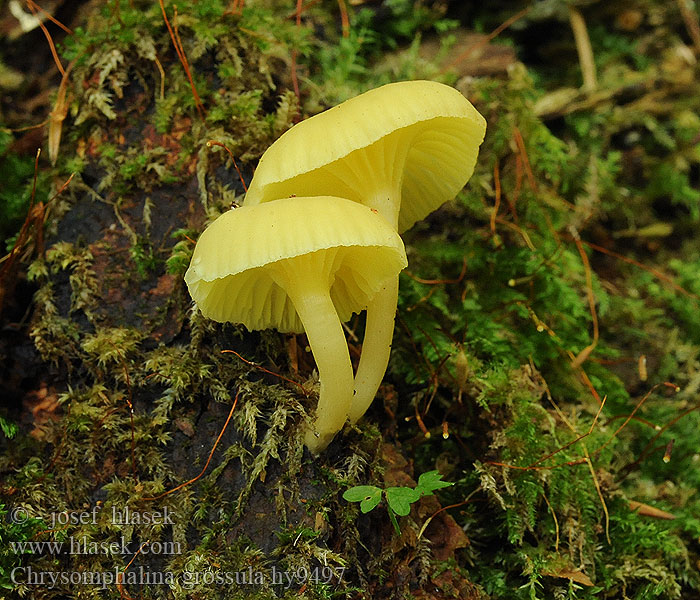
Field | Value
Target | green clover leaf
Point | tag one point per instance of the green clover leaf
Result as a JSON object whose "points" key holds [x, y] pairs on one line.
{"points": [[400, 499], [431, 481], [367, 495]]}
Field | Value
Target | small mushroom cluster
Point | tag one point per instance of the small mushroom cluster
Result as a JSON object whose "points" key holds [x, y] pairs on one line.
{"points": [[317, 238]]}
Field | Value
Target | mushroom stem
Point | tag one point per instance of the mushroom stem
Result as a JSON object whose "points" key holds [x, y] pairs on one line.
{"points": [[376, 348], [381, 312], [308, 289], [584, 49]]}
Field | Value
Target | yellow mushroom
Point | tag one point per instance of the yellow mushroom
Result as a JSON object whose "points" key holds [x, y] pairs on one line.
{"points": [[298, 264], [402, 149]]}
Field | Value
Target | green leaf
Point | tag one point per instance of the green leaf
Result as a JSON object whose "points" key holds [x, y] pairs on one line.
{"points": [[431, 481], [401, 498], [367, 495]]}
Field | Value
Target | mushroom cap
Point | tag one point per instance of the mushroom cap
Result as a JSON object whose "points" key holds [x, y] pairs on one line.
{"points": [[350, 150], [231, 273]]}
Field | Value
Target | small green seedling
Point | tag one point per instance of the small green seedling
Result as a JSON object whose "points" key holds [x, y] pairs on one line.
{"points": [[8, 428], [398, 499]]}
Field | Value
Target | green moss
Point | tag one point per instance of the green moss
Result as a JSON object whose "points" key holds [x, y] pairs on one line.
{"points": [[16, 173]]}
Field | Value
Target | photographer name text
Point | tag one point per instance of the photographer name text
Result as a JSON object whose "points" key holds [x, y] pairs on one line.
{"points": [[119, 516]]}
